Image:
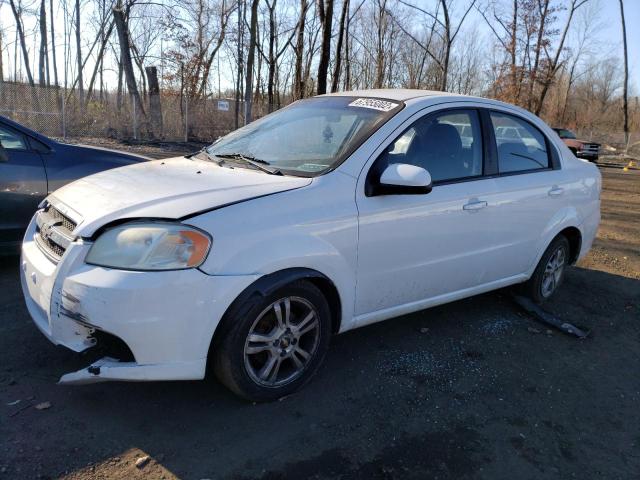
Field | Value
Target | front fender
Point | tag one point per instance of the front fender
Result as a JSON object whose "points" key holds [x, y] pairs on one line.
{"points": [[313, 228]]}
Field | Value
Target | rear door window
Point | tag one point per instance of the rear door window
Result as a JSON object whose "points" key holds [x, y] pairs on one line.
{"points": [[521, 146]]}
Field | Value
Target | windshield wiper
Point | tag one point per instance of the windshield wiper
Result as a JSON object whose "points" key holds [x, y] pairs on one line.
{"points": [[255, 162], [208, 156]]}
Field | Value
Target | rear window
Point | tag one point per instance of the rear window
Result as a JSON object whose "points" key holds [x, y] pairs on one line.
{"points": [[521, 146]]}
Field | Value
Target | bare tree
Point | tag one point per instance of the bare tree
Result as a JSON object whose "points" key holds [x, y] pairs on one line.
{"points": [[298, 83], [325, 11], [79, 54], [23, 45], [1, 54], [253, 35], [450, 32], [341, 33], [121, 23], [155, 105], [53, 45], [625, 107], [553, 63], [43, 78]]}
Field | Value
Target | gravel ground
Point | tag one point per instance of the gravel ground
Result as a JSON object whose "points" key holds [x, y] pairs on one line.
{"points": [[473, 389]]}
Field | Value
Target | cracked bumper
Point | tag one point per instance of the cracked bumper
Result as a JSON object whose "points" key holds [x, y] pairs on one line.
{"points": [[166, 319]]}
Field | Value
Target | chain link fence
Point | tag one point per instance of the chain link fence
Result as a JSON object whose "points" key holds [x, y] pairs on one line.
{"points": [[62, 113]]}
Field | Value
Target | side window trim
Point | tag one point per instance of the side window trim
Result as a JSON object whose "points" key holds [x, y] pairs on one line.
{"points": [[552, 155], [490, 158]]}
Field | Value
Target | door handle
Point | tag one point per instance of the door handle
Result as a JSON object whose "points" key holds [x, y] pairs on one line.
{"points": [[555, 191], [477, 205]]}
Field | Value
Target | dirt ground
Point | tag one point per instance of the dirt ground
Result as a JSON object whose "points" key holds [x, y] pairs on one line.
{"points": [[473, 389]]}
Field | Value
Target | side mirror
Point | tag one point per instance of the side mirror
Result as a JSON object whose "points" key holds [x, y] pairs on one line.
{"points": [[4, 156], [404, 179]]}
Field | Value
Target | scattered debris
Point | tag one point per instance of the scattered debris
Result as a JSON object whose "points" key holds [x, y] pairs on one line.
{"points": [[142, 461], [497, 327], [15, 402], [43, 406], [533, 330], [424, 330]]}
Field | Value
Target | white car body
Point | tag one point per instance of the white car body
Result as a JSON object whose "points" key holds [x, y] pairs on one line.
{"points": [[384, 255]]}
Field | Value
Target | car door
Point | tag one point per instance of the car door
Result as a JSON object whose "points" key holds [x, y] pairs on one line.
{"points": [[529, 195], [412, 248], [23, 184]]}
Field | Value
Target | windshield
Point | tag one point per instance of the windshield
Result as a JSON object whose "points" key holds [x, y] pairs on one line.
{"points": [[310, 136]]}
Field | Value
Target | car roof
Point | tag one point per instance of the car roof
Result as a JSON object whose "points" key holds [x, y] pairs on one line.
{"points": [[423, 96], [400, 94]]}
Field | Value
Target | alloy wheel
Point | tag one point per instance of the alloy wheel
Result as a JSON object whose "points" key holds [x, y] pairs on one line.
{"points": [[553, 272], [282, 341]]}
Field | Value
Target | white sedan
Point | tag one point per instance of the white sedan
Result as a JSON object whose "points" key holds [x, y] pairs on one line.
{"points": [[333, 213]]}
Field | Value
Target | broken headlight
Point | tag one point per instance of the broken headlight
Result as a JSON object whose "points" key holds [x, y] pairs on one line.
{"points": [[150, 246]]}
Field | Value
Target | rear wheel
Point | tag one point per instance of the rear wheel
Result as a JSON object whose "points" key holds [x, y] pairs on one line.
{"points": [[549, 273], [274, 344]]}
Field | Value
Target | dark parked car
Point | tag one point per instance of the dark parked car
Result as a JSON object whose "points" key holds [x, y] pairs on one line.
{"points": [[32, 166]]}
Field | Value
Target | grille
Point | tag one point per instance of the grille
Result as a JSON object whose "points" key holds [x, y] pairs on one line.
{"points": [[67, 224], [590, 147], [54, 232], [50, 245]]}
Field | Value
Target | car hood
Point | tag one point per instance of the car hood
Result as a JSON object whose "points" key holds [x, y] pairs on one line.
{"points": [[170, 189]]}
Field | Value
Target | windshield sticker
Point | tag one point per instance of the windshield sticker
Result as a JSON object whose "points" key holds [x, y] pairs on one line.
{"points": [[374, 103]]}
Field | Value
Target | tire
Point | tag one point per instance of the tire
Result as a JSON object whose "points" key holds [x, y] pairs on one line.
{"points": [[260, 354], [546, 278]]}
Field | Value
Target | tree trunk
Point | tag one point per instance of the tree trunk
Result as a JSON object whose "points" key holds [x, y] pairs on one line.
{"points": [[538, 49], [224, 18], [298, 82], [272, 57], [347, 56], [1, 57], [43, 44], [119, 91], [23, 44], [447, 46], [248, 91], [512, 51], [626, 78], [53, 46], [240, 44], [125, 56], [155, 105], [79, 55], [98, 65], [338, 65], [325, 9]]}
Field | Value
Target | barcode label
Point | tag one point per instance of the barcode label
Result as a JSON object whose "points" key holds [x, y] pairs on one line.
{"points": [[382, 105]]}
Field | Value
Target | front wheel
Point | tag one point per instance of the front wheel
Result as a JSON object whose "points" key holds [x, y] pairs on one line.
{"points": [[274, 344], [549, 273]]}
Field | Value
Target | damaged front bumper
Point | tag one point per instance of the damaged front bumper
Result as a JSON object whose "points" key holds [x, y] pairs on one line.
{"points": [[165, 319], [109, 369]]}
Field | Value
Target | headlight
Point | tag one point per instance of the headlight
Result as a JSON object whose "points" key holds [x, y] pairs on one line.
{"points": [[150, 246]]}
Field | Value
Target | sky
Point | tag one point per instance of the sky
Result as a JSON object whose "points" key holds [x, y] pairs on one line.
{"points": [[608, 36]]}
